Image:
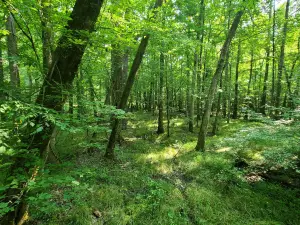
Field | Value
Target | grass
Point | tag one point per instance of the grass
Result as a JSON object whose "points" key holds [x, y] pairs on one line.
{"points": [[160, 180]]}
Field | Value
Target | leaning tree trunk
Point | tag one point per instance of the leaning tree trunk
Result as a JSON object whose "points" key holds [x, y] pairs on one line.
{"points": [[281, 59], [126, 92], [213, 87], [67, 57]]}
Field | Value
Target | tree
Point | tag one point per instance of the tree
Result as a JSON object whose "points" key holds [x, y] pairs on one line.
{"points": [[236, 87], [67, 57], [265, 85], [129, 83], [12, 52], [160, 128], [213, 86], [281, 58]]}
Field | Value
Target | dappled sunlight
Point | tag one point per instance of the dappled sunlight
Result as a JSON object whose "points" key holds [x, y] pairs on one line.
{"points": [[164, 168], [225, 149], [166, 153]]}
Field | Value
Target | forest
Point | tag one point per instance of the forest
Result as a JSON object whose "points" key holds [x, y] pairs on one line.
{"points": [[155, 112]]}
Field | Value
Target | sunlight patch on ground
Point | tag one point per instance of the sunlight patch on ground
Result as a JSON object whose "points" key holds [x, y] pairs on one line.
{"points": [[166, 153], [131, 139], [226, 149], [164, 168]]}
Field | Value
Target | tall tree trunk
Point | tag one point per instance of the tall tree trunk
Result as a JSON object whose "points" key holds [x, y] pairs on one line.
{"points": [[126, 92], [227, 80], [215, 125], [251, 72], [281, 58], [236, 88], [124, 78], [263, 101], [212, 89], [189, 99], [47, 35], [289, 77], [92, 95], [192, 101], [229, 93], [168, 96], [2, 96], [80, 94], [225, 95], [67, 57], [160, 127], [273, 55], [200, 72], [12, 52], [116, 74], [30, 86]]}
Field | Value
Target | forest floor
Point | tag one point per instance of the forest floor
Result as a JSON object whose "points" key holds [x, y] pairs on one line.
{"points": [[161, 180]]}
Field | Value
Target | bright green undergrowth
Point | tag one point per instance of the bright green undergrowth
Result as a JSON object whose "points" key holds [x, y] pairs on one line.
{"points": [[160, 180]]}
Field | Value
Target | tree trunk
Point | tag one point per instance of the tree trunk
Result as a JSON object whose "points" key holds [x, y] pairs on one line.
{"points": [[12, 52], [281, 59], [160, 127], [92, 95], [47, 36], [2, 96], [251, 72], [229, 93], [168, 97], [200, 72], [273, 55], [67, 57], [192, 102], [79, 94], [236, 88], [215, 125], [212, 90], [116, 74], [126, 92]]}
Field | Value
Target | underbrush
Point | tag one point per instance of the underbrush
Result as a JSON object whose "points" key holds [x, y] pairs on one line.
{"points": [[160, 180]]}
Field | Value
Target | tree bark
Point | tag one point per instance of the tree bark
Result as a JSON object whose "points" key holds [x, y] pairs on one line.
{"points": [[212, 90]]}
